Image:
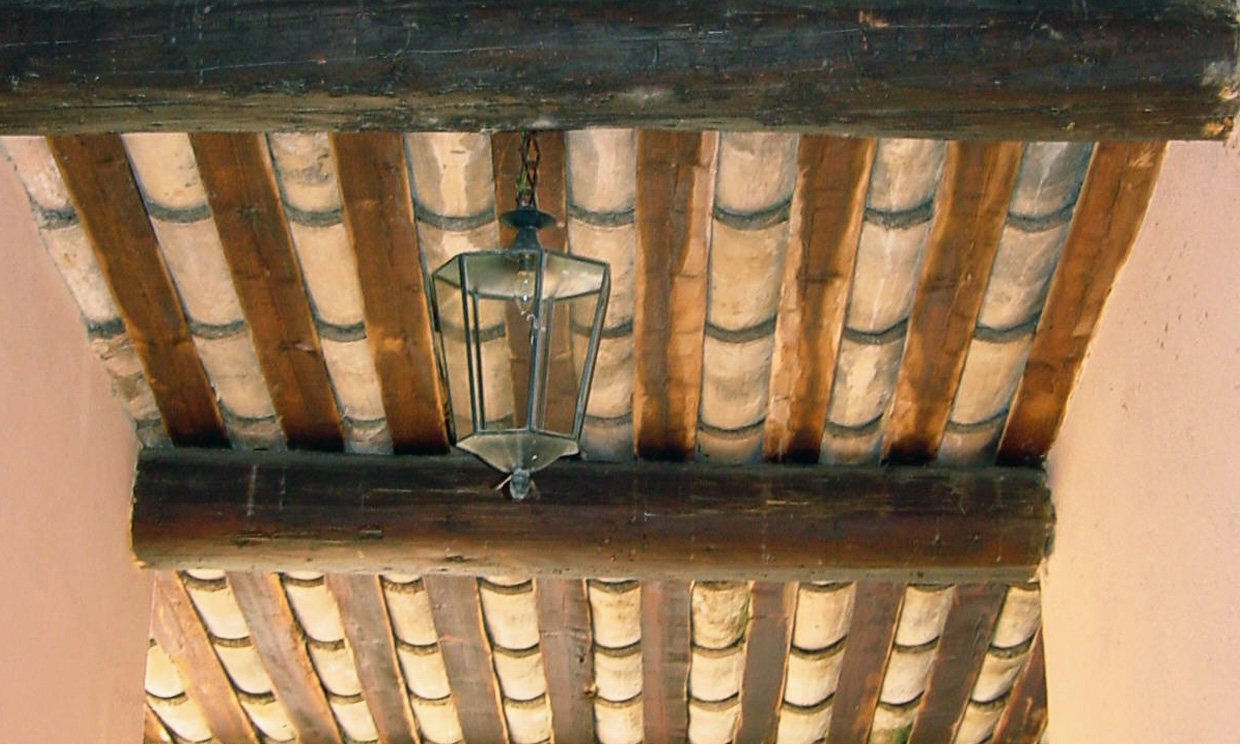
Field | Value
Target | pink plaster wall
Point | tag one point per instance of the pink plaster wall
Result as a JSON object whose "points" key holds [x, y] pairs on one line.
{"points": [[73, 609], [1142, 593]]}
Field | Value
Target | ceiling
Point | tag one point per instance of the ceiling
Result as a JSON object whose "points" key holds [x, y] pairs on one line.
{"points": [[774, 298]]}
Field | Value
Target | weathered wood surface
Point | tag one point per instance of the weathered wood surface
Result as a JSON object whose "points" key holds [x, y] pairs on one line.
{"points": [[564, 627], [959, 657], [282, 647], [243, 511], [1109, 213], [99, 180], [998, 68], [467, 656], [665, 660], [378, 213], [866, 652], [176, 627], [971, 206], [674, 185], [1025, 716], [833, 175], [246, 204], [766, 649], [364, 616]]}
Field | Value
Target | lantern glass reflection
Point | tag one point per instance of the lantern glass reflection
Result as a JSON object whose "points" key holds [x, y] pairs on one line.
{"points": [[518, 331]]}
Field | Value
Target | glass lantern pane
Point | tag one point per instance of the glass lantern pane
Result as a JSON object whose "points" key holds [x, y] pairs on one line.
{"points": [[507, 340]]}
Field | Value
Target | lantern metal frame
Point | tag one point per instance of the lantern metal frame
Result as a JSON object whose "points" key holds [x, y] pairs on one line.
{"points": [[492, 275]]}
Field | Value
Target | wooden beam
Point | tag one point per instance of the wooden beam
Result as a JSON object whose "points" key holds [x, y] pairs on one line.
{"points": [[363, 613], [197, 508], [178, 630], [828, 202], [568, 658], [866, 651], [96, 173], [969, 213], [378, 213], [665, 661], [467, 656], [1109, 212], [1025, 715], [282, 648], [957, 661], [245, 202], [772, 609], [674, 173], [997, 68]]}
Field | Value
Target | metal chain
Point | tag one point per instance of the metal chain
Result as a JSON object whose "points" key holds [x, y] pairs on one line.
{"points": [[527, 178]]}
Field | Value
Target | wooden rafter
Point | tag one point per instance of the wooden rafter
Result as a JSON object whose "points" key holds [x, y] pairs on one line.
{"points": [[378, 213], [255, 237], [972, 203], [344, 513], [1109, 212], [1156, 68], [109, 204]]}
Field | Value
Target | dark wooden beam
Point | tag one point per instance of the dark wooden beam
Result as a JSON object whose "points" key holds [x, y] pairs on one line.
{"points": [[833, 174], [969, 213], [245, 202], [772, 609], [665, 661], [866, 651], [97, 174], [467, 656], [975, 69], [377, 209], [564, 625], [672, 210], [957, 661], [247, 510], [363, 612], [1109, 212], [1025, 716], [282, 648], [179, 631]]}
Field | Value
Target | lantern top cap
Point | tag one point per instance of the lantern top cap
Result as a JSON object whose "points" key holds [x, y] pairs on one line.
{"points": [[527, 217]]}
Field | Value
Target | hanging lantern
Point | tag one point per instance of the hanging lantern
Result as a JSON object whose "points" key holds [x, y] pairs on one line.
{"points": [[518, 331]]}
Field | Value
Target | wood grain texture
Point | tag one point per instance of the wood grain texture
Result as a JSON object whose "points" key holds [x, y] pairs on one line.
{"points": [[354, 513], [378, 213], [153, 729], [179, 631], [969, 213], [363, 612], [866, 650], [562, 380], [827, 206], [564, 625], [1158, 68], [1025, 716], [674, 186], [245, 201], [962, 646], [1108, 215], [467, 656], [281, 646], [665, 661], [109, 205], [772, 609]]}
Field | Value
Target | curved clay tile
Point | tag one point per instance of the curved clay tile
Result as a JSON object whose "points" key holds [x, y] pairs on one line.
{"points": [[176, 200], [70, 250], [306, 173], [601, 176]]}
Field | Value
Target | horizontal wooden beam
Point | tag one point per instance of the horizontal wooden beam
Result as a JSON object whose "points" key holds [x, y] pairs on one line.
{"points": [[996, 69], [266, 511]]}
